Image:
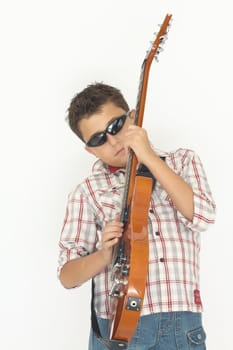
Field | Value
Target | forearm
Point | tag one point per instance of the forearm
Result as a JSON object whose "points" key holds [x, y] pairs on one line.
{"points": [[178, 190], [77, 271]]}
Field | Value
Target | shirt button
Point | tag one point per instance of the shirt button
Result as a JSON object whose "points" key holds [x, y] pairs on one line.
{"points": [[161, 259], [151, 210], [157, 233]]}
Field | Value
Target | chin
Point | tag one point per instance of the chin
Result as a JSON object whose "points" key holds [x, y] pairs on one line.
{"points": [[120, 162], [119, 165]]}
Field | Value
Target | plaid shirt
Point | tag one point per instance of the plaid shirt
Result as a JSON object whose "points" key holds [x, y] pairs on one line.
{"points": [[173, 276]]}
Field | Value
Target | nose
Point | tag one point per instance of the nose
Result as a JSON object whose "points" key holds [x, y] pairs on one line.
{"points": [[112, 139]]}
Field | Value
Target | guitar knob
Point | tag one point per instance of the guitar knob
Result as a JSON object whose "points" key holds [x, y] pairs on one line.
{"points": [[125, 270]]}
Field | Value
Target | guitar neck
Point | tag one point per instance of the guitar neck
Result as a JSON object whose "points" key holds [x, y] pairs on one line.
{"points": [[131, 167]]}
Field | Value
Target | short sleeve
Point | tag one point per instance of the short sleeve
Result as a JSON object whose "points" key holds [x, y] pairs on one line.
{"points": [[79, 233], [204, 207]]}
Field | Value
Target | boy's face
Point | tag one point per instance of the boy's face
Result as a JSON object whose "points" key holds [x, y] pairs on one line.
{"points": [[113, 152]]}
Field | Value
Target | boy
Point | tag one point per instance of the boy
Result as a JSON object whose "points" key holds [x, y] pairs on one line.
{"points": [[181, 207]]}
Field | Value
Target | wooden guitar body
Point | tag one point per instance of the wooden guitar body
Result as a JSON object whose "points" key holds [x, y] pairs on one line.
{"points": [[126, 308]]}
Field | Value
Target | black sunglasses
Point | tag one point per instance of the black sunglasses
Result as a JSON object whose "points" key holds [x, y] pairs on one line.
{"points": [[113, 128]]}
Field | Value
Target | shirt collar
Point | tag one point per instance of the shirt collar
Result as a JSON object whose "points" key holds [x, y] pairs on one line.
{"points": [[113, 169], [100, 166]]}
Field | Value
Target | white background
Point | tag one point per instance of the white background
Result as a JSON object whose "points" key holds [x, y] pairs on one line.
{"points": [[49, 51]]}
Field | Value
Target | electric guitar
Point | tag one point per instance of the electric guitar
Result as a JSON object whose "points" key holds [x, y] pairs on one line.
{"points": [[131, 255]]}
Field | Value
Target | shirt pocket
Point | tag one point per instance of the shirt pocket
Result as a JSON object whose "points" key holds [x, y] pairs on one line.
{"points": [[111, 203], [162, 204]]}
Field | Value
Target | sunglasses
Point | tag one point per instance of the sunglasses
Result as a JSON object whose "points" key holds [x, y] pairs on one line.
{"points": [[113, 128]]}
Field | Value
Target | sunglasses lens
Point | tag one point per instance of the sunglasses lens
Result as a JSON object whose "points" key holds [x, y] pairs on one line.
{"points": [[113, 128], [116, 125], [97, 140]]}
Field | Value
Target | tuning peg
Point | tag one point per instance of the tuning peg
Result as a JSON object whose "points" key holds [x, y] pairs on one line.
{"points": [[158, 25], [163, 38], [169, 25], [160, 49]]}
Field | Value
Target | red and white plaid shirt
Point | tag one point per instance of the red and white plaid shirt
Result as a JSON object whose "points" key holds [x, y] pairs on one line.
{"points": [[173, 277]]}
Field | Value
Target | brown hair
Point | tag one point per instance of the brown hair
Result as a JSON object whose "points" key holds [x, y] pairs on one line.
{"points": [[90, 100]]}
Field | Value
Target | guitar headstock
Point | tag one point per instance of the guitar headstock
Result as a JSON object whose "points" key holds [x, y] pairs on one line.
{"points": [[154, 51], [160, 38]]}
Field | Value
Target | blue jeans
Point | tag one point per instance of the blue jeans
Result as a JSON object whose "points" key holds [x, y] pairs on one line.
{"points": [[161, 331]]}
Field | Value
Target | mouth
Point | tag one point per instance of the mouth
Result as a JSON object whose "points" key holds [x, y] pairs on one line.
{"points": [[120, 151]]}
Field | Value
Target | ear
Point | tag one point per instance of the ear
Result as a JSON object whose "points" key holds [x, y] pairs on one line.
{"points": [[132, 114], [90, 150]]}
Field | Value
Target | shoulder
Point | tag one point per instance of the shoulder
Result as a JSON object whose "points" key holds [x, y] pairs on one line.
{"points": [[92, 183], [181, 158], [181, 154]]}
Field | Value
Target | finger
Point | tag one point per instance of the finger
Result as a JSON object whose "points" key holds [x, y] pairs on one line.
{"points": [[117, 217], [111, 235], [110, 244], [113, 225]]}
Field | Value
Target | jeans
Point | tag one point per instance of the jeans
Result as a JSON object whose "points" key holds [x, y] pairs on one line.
{"points": [[161, 331]]}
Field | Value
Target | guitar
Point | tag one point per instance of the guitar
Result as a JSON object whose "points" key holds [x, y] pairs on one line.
{"points": [[131, 255]]}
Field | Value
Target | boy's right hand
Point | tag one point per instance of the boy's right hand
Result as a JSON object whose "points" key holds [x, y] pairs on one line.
{"points": [[110, 237]]}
